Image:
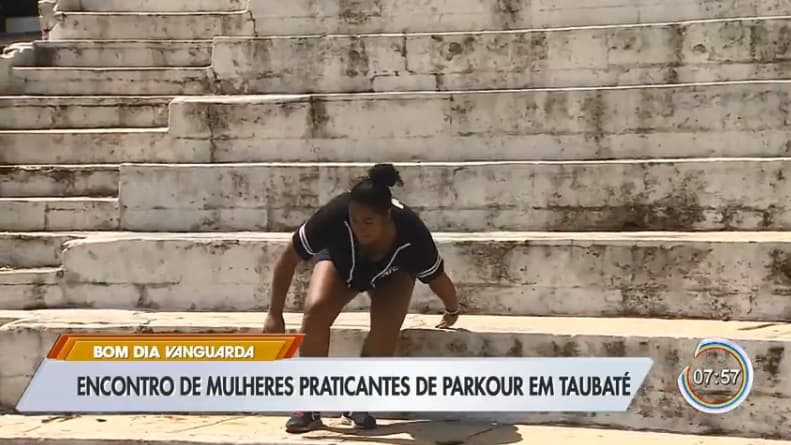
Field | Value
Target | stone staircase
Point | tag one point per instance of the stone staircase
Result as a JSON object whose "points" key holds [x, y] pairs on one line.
{"points": [[604, 177]]}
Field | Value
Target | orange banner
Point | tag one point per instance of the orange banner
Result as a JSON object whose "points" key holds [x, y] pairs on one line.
{"points": [[175, 347]]}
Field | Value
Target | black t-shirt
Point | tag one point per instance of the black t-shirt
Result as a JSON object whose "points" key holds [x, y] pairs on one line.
{"points": [[329, 230]]}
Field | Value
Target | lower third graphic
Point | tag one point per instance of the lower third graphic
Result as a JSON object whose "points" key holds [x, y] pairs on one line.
{"points": [[719, 379]]}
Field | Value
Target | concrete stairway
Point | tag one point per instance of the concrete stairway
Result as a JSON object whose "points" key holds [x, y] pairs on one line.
{"points": [[604, 178]]}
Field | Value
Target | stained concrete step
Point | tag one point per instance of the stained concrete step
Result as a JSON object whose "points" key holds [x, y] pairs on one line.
{"points": [[28, 289], [128, 81], [55, 213], [34, 250], [151, 5], [719, 275], [700, 51], [58, 181], [32, 112], [151, 25], [658, 406], [376, 16], [99, 146], [123, 53], [675, 194], [213, 430], [723, 119]]}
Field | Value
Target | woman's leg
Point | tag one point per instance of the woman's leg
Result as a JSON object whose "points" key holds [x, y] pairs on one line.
{"points": [[326, 298], [389, 306]]}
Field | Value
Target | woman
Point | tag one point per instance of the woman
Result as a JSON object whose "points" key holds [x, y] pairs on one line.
{"points": [[363, 241]]}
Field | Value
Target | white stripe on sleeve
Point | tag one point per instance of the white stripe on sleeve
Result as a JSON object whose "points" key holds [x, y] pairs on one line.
{"points": [[303, 238]]}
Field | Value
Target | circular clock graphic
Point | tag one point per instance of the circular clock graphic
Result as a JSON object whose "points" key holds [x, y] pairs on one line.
{"points": [[719, 379]]}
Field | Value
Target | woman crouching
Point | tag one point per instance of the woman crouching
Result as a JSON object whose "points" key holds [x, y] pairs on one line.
{"points": [[362, 241]]}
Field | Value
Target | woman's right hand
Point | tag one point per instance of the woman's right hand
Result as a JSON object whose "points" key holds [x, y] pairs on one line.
{"points": [[274, 324]]}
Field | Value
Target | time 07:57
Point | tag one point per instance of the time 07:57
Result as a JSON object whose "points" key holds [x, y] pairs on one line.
{"points": [[704, 376]]}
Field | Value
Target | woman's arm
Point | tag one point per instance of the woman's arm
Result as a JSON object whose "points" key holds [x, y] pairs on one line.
{"points": [[311, 237], [283, 273], [443, 287]]}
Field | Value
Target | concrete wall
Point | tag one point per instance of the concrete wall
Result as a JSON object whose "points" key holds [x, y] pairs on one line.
{"points": [[657, 406], [151, 5], [156, 26], [702, 51], [721, 120], [395, 16], [599, 56], [713, 276], [385, 16], [13, 55], [712, 194], [31, 113], [99, 146]]}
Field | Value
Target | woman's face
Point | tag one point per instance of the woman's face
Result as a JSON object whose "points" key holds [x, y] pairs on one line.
{"points": [[368, 225]]}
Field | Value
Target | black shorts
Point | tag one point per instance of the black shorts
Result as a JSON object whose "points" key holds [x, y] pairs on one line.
{"points": [[359, 283]]}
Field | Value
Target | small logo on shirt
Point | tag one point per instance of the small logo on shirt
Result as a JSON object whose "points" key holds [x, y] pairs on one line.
{"points": [[389, 271]]}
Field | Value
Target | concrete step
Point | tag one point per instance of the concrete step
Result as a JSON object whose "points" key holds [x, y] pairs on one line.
{"points": [[680, 194], [27, 289], [58, 181], [700, 51], [151, 25], [720, 275], [376, 16], [151, 5], [135, 81], [688, 120], [35, 113], [213, 430], [123, 53], [34, 250], [98, 146], [77, 213], [658, 406]]}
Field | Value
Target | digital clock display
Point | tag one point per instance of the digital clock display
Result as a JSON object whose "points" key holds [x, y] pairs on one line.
{"points": [[719, 378]]}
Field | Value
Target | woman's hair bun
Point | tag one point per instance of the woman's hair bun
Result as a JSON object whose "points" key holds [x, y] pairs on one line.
{"points": [[385, 175]]}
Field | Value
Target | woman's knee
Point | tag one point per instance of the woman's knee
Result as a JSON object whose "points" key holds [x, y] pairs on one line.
{"points": [[318, 317], [325, 300]]}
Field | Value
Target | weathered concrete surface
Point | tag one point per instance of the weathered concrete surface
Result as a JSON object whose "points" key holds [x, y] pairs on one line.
{"points": [[53, 112], [15, 54], [19, 214], [217, 430], [98, 146], [151, 26], [151, 5], [30, 288], [721, 275], [703, 120], [34, 249], [87, 53], [138, 81], [58, 180], [657, 406], [396, 16], [700, 194], [618, 55]]}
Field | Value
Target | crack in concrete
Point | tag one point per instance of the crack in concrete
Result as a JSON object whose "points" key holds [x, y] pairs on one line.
{"points": [[210, 116], [482, 432], [251, 16], [207, 425]]}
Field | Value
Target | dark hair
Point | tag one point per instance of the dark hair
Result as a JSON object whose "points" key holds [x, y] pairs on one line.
{"points": [[374, 190]]}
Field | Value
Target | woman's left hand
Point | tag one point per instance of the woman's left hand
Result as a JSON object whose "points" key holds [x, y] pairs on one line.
{"points": [[449, 319]]}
